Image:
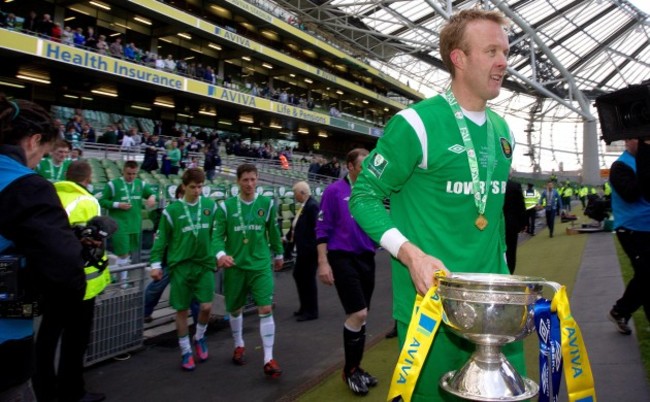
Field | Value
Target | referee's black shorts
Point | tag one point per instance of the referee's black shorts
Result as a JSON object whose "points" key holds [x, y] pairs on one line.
{"points": [[354, 278]]}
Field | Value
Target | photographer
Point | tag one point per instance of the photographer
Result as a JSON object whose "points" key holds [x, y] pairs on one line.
{"points": [[72, 326], [32, 225], [630, 180]]}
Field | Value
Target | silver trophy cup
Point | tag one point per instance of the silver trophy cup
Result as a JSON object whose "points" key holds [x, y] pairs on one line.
{"points": [[489, 310]]}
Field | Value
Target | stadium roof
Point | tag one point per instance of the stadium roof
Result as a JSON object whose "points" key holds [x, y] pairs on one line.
{"points": [[567, 50]]}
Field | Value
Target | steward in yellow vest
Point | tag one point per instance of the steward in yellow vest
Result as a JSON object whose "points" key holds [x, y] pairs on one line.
{"points": [[531, 199], [72, 327], [82, 206]]}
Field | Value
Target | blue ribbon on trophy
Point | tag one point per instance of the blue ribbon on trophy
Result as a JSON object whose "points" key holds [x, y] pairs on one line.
{"points": [[547, 325]]}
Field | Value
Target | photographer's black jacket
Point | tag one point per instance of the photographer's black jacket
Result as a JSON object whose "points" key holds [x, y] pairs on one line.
{"points": [[31, 216]]}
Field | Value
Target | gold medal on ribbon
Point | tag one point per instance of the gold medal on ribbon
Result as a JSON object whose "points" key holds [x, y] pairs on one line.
{"points": [[245, 241], [481, 222]]}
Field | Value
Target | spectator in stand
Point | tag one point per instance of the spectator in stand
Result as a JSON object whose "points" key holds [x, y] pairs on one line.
{"points": [[56, 32], [174, 157], [116, 49], [31, 23], [199, 72], [310, 104], [191, 70], [314, 167], [44, 27], [73, 136], [67, 36], [10, 22], [181, 67], [128, 144], [194, 145], [137, 138], [88, 133], [79, 38], [284, 97], [160, 63], [129, 52], [91, 38], [334, 112], [209, 76], [102, 46], [109, 136], [170, 64], [75, 154]]}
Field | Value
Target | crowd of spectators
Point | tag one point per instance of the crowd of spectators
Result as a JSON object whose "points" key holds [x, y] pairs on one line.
{"points": [[89, 39]]}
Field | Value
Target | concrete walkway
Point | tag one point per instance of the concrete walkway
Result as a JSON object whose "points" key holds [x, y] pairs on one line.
{"points": [[615, 359]]}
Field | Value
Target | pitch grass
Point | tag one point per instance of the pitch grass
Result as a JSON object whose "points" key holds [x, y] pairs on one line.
{"points": [[557, 259], [642, 330]]}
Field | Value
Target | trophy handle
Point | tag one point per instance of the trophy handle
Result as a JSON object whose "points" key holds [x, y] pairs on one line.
{"points": [[556, 286]]}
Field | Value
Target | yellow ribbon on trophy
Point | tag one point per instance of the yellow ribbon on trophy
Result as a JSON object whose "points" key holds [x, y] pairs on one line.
{"points": [[577, 370], [425, 321]]}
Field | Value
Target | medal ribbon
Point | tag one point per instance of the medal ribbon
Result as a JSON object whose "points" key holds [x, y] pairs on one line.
{"points": [[195, 226], [241, 217], [126, 189], [56, 171], [547, 326], [479, 201], [425, 321], [577, 370]]}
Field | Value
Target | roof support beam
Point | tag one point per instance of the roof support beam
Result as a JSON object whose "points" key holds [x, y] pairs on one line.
{"points": [[584, 110]]}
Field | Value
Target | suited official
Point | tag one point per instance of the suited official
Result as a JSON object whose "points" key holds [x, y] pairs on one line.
{"points": [[303, 234]]}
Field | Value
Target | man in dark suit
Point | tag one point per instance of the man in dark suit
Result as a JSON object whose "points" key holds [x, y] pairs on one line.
{"points": [[303, 234], [514, 211]]}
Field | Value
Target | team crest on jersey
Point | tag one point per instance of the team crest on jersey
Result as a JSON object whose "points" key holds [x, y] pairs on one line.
{"points": [[506, 147], [260, 212], [378, 165], [206, 212]]}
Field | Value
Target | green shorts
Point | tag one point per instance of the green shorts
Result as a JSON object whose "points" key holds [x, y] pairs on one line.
{"points": [[450, 352], [189, 281], [237, 283], [125, 243]]}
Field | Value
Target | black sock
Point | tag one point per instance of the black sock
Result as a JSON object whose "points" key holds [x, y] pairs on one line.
{"points": [[353, 344]]}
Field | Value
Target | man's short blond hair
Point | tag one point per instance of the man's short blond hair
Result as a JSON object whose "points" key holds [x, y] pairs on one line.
{"points": [[452, 35], [302, 187]]}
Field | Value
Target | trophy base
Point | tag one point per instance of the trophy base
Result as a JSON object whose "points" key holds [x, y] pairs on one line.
{"points": [[450, 384]]}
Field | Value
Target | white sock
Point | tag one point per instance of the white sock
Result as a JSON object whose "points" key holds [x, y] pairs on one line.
{"points": [[267, 331], [184, 343], [200, 331], [236, 324]]}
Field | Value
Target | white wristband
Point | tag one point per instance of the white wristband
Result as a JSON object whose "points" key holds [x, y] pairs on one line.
{"points": [[392, 240]]}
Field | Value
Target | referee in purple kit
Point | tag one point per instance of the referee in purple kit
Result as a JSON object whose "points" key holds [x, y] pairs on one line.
{"points": [[346, 259]]}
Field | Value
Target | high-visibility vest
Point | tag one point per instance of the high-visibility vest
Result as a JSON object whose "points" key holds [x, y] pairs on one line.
{"points": [[81, 206], [568, 192], [607, 189], [531, 198]]}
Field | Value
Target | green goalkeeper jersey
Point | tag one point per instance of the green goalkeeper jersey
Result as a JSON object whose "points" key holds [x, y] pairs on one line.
{"points": [[244, 231], [421, 165], [118, 190], [185, 232]]}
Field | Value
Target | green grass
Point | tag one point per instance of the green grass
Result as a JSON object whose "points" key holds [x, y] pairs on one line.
{"points": [[642, 331]]}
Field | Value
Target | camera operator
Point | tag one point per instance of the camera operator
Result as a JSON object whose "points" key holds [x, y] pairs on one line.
{"points": [[32, 225], [72, 326], [630, 180]]}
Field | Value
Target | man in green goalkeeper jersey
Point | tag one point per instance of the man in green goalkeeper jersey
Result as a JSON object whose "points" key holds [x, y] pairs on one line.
{"points": [[446, 189], [244, 227], [185, 233]]}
